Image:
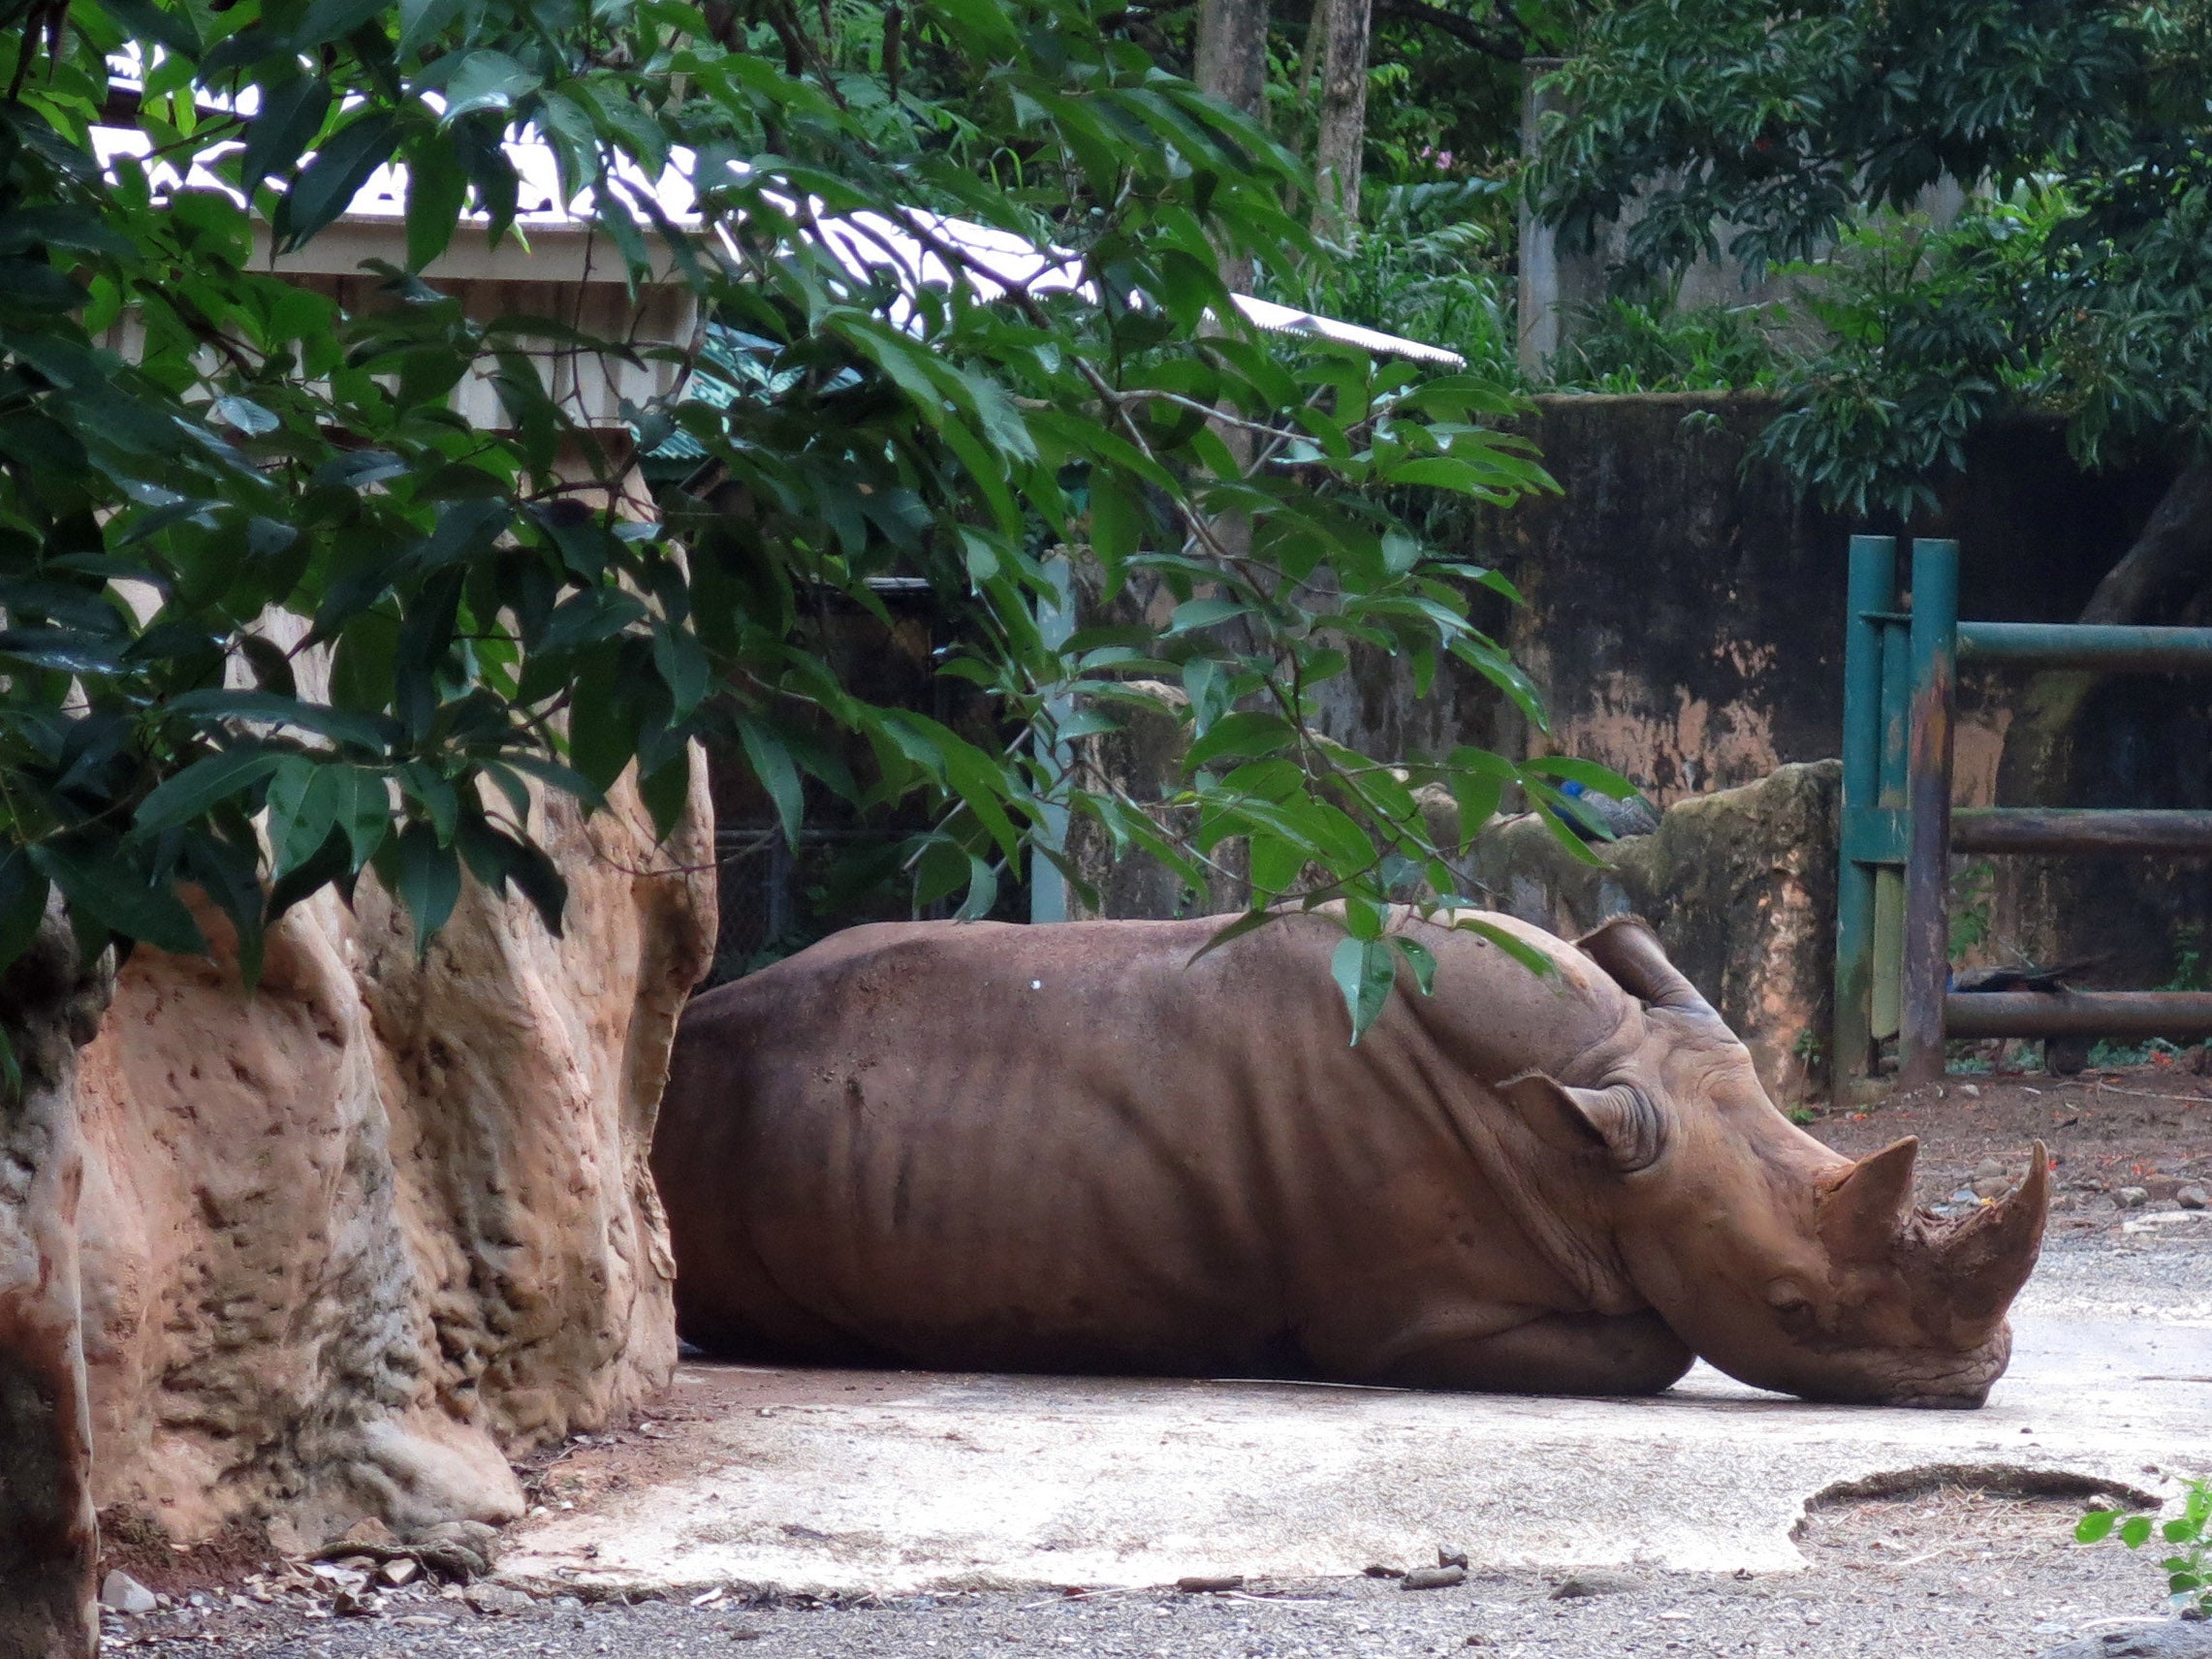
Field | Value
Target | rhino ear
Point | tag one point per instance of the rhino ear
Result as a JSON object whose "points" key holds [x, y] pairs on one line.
{"points": [[1626, 949], [1621, 1122], [1862, 1210]]}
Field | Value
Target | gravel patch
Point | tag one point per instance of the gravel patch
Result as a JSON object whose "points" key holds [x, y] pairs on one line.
{"points": [[1948, 1572]]}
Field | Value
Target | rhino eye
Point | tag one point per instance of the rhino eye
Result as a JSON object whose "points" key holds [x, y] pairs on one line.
{"points": [[1791, 1305]]}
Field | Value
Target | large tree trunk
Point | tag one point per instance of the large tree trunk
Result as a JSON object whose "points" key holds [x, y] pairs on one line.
{"points": [[1346, 25], [50, 1005], [1232, 66], [2168, 563]]}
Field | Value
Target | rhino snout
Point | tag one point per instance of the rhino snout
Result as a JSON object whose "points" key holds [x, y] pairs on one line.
{"points": [[1939, 1382]]}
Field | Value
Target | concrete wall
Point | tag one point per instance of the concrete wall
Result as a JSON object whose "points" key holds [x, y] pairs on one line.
{"points": [[1684, 623]]}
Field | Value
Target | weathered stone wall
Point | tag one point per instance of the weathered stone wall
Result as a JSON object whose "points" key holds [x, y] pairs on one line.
{"points": [[1684, 623], [1685, 614], [351, 1238]]}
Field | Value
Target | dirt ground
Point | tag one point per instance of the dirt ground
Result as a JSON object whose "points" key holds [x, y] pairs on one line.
{"points": [[2147, 1130], [1930, 1572]]}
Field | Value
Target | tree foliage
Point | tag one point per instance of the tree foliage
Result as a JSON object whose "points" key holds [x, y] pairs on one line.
{"points": [[278, 615], [1808, 137]]}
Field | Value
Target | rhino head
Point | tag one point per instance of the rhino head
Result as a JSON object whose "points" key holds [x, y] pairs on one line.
{"points": [[1783, 1263]]}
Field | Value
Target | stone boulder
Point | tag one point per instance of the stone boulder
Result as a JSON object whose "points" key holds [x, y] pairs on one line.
{"points": [[1740, 885], [351, 1240]]}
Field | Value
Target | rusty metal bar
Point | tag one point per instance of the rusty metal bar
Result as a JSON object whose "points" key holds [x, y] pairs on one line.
{"points": [[1889, 797], [1928, 798], [2136, 1013], [2078, 831], [1872, 587], [2106, 648]]}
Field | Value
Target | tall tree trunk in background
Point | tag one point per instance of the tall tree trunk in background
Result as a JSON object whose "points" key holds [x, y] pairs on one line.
{"points": [[1346, 25], [1232, 66], [50, 1006], [2171, 561]]}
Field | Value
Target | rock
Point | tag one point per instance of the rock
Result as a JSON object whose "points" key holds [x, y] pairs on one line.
{"points": [[473, 1536], [399, 1572], [1432, 1578], [1989, 1169], [2176, 1639], [1594, 1582], [369, 1529], [503, 1599], [1970, 1091], [1740, 885], [1202, 1584], [2194, 1197], [50, 1001], [1991, 1186], [1378, 1570], [2131, 1198], [1449, 1558], [119, 1592], [352, 1239]]}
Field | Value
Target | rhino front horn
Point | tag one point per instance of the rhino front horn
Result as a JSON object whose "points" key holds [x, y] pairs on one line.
{"points": [[1864, 1207], [1989, 1255]]}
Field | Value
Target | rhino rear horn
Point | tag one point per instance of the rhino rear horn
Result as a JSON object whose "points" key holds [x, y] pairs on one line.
{"points": [[1620, 1121], [1862, 1210], [1627, 949], [1990, 1254]]}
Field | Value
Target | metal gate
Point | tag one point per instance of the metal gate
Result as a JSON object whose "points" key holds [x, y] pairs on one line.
{"points": [[1899, 829]]}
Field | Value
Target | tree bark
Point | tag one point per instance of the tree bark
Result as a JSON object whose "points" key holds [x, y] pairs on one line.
{"points": [[1345, 31], [1232, 66], [50, 1005], [2170, 561]]}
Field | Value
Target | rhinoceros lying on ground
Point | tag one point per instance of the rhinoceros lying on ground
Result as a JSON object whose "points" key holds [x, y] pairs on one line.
{"points": [[1072, 1148]]}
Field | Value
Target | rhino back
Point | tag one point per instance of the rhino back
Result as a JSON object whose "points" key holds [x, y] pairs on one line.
{"points": [[1074, 1148]]}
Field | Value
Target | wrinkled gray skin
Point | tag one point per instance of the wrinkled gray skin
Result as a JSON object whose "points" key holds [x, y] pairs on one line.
{"points": [[1076, 1148]]}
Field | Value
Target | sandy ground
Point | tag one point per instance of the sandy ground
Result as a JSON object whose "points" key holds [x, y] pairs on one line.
{"points": [[1936, 1569]]}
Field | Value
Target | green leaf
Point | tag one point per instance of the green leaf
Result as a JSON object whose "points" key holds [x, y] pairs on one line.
{"points": [[23, 890], [982, 891], [1587, 773], [119, 898], [1251, 922], [1512, 944], [425, 877], [329, 20], [667, 792], [421, 21], [484, 79], [1365, 970], [333, 723], [1205, 614], [437, 192], [157, 23], [772, 764], [189, 794], [292, 114], [332, 180], [1239, 734], [2135, 1532], [1420, 959]]}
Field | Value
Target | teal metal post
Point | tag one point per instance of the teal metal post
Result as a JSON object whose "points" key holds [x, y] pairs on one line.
{"points": [[1891, 818], [1872, 588], [1928, 797], [1048, 887]]}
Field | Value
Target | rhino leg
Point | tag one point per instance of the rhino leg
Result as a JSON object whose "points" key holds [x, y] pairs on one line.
{"points": [[1554, 1354]]}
